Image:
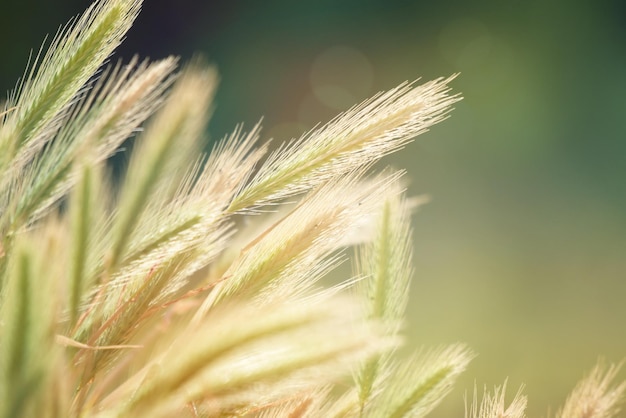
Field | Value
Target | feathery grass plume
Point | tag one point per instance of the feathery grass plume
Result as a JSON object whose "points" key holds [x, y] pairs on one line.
{"points": [[356, 138], [596, 396], [177, 233], [249, 356], [493, 406], [194, 219], [170, 142], [386, 265], [292, 254], [386, 387], [43, 95], [415, 386], [175, 238], [94, 128]]}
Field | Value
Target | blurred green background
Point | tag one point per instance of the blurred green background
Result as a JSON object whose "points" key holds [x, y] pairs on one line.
{"points": [[522, 251]]}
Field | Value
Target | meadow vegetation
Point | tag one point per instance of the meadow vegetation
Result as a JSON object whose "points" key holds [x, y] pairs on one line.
{"points": [[191, 286]]}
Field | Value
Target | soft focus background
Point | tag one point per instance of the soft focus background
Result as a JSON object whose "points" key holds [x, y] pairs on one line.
{"points": [[522, 251]]}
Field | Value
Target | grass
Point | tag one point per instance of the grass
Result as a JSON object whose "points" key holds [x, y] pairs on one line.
{"points": [[151, 298]]}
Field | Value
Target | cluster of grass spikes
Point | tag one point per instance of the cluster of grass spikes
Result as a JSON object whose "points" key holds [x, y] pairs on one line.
{"points": [[177, 292]]}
